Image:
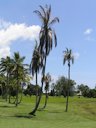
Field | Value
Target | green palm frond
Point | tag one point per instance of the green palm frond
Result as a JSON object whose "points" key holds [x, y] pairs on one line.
{"points": [[68, 56], [56, 19]]}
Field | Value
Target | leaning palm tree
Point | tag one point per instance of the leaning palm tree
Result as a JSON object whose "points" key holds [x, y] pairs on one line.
{"points": [[35, 66], [68, 56], [47, 36]]}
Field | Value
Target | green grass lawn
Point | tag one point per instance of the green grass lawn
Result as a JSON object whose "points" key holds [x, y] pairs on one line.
{"points": [[81, 114]]}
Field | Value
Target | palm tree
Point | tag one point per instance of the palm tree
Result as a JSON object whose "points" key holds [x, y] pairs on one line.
{"points": [[5, 68], [47, 36], [17, 71], [35, 66], [47, 80], [68, 56]]}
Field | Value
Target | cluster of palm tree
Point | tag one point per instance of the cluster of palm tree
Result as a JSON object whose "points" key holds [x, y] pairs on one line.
{"points": [[46, 38], [14, 72]]}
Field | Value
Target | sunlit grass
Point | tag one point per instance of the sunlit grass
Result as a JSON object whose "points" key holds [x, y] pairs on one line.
{"points": [[81, 114]]}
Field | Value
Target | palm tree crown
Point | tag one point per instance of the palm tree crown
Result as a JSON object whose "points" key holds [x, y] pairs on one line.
{"points": [[46, 33], [68, 56], [36, 62]]}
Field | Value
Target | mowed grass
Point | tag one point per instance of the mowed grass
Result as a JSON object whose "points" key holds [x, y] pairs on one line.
{"points": [[81, 114]]}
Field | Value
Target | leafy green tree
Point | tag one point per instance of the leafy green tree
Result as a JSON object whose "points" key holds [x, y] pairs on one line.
{"points": [[3, 85], [84, 89], [68, 56], [61, 86]]}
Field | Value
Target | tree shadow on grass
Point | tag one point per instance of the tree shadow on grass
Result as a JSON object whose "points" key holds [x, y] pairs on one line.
{"points": [[6, 106], [17, 116], [24, 116]]}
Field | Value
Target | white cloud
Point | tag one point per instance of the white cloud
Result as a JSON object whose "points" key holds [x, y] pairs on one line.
{"points": [[88, 31], [16, 31], [5, 52], [11, 32], [76, 55], [4, 24]]}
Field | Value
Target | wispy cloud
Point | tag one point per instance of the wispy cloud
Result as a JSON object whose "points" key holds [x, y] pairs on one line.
{"points": [[88, 31], [11, 32]]}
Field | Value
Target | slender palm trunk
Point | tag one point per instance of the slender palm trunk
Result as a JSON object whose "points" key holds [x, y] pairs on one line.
{"points": [[38, 102], [46, 99], [16, 103], [36, 88], [67, 100], [7, 86], [46, 95], [40, 95], [19, 101]]}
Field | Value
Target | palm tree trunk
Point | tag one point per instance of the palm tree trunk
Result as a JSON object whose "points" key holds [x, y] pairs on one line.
{"points": [[40, 95], [7, 86], [38, 102], [36, 88], [16, 103], [21, 96], [46, 99], [67, 100]]}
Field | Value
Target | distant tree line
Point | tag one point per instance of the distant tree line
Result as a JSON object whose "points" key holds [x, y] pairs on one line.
{"points": [[86, 91]]}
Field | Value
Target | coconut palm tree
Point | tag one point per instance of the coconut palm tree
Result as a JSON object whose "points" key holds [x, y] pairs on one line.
{"points": [[17, 71], [47, 36], [5, 68], [35, 66], [68, 56]]}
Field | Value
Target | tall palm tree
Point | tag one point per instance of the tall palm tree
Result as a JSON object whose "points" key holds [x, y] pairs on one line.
{"points": [[68, 56], [35, 66], [47, 36], [17, 71]]}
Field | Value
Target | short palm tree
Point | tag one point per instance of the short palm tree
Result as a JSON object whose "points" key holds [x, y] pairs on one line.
{"points": [[68, 56], [47, 36], [17, 71], [5, 68], [47, 80]]}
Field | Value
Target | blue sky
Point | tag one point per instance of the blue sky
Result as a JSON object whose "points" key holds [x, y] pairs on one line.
{"points": [[76, 30]]}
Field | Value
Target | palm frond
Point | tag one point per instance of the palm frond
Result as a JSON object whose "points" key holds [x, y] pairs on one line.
{"points": [[43, 10], [55, 38], [68, 56], [56, 19], [39, 15]]}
